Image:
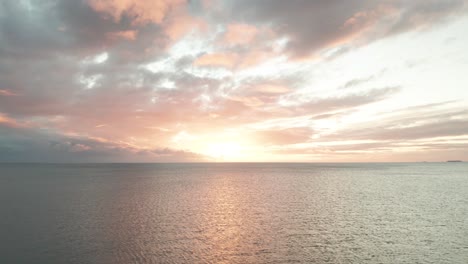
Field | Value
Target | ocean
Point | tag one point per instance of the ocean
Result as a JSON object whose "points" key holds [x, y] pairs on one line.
{"points": [[234, 213]]}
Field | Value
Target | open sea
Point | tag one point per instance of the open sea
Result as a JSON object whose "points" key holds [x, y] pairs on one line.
{"points": [[234, 213]]}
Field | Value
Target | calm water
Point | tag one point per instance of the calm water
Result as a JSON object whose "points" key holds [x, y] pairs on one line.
{"points": [[234, 213]]}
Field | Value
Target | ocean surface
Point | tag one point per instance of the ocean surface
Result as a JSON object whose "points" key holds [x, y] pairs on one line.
{"points": [[234, 213]]}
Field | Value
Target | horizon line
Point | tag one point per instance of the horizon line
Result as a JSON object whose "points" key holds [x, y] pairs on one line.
{"points": [[238, 162]]}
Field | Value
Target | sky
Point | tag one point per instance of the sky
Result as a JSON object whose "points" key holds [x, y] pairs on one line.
{"points": [[233, 80]]}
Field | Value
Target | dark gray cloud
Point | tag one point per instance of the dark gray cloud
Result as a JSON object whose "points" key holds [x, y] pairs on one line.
{"points": [[33, 145], [314, 25], [49, 29]]}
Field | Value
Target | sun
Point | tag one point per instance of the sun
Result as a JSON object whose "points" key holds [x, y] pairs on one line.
{"points": [[224, 151]]}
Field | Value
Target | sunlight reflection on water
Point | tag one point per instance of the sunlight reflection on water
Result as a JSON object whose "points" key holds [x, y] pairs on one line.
{"points": [[234, 213]]}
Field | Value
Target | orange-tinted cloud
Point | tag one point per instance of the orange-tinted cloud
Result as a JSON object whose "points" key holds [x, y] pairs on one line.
{"points": [[6, 92], [227, 60], [181, 24], [231, 59], [239, 34], [141, 12], [127, 34], [272, 88], [256, 57], [283, 136], [9, 122]]}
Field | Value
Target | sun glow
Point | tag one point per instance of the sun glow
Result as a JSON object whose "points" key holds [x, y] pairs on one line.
{"points": [[224, 151]]}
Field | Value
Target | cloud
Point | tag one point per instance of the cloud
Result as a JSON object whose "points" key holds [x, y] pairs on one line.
{"points": [[34, 145], [181, 24], [127, 34], [430, 130], [227, 60], [287, 136], [41, 29], [348, 101], [239, 34], [9, 122], [349, 151], [6, 92], [140, 12], [104, 80], [312, 26], [356, 82], [409, 126]]}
